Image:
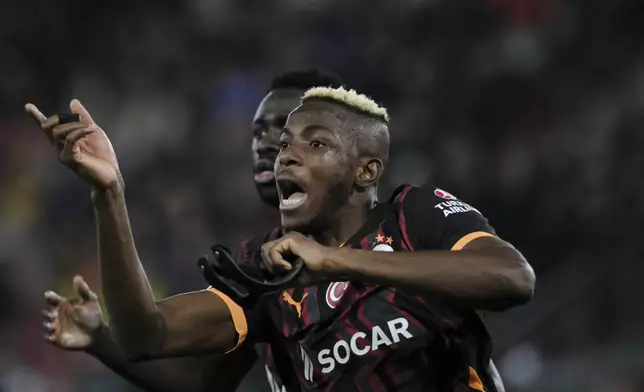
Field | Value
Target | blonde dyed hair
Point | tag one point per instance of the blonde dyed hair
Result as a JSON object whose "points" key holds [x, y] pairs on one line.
{"points": [[349, 98]]}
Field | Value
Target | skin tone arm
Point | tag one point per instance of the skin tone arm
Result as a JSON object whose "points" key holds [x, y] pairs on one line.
{"points": [[78, 325], [185, 324], [188, 324], [487, 274]]}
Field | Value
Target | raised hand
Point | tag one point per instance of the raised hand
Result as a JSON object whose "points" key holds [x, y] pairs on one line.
{"points": [[81, 145], [72, 324]]}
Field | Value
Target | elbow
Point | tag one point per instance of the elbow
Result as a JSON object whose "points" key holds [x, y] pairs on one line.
{"points": [[521, 282], [141, 344], [137, 351]]}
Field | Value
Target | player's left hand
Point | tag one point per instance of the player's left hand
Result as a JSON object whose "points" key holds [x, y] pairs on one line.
{"points": [[292, 245]]}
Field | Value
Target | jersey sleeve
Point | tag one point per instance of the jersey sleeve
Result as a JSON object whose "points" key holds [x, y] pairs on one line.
{"points": [[250, 322], [435, 219]]}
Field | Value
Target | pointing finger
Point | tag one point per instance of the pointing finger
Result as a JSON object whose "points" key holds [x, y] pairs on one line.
{"points": [[33, 111], [40, 119]]}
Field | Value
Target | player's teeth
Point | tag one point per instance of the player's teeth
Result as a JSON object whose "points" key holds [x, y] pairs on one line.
{"points": [[295, 198]]}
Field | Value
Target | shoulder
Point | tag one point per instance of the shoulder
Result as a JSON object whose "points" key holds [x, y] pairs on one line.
{"points": [[433, 218], [432, 198]]}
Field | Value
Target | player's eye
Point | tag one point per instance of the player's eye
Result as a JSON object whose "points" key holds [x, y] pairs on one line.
{"points": [[316, 144], [258, 132], [283, 145]]}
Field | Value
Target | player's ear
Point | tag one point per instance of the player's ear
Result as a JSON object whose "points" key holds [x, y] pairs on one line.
{"points": [[368, 172]]}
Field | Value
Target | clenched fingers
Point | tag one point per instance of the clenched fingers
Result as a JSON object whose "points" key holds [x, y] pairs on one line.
{"points": [[273, 256], [71, 139]]}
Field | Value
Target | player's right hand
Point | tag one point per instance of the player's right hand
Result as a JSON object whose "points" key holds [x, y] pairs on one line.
{"points": [[82, 146], [72, 324]]}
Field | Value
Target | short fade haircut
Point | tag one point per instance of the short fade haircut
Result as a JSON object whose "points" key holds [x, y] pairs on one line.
{"points": [[305, 79], [358, 102]]}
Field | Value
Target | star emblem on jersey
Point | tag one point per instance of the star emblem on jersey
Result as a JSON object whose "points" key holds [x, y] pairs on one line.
{"points": [[334, 293], [286, 297]]}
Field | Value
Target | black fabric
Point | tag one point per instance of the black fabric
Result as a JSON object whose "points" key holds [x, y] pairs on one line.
{"points": [[64, 118], [435, 222]]}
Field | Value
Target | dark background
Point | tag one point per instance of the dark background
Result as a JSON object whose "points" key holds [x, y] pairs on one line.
{"points": [[531, 110]]}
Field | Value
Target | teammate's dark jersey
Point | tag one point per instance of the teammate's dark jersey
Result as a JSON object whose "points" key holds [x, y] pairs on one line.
{"points": [[357, 336]]}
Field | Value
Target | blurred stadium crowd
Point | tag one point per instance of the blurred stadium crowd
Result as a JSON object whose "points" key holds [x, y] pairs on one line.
{"points": [[531, 110]]}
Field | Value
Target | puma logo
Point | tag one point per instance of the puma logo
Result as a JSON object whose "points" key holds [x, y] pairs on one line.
{"points": [[298, 305]]}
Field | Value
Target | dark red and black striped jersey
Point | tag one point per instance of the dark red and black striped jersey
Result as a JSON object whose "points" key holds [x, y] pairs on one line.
{"points": [[347, 336]]}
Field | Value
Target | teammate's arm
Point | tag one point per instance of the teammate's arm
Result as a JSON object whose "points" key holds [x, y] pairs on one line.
{"points": [[77, 325], [477, 269], [187, 324]]}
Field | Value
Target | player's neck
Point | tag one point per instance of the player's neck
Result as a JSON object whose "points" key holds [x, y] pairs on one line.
{"points": [[346, 222]]}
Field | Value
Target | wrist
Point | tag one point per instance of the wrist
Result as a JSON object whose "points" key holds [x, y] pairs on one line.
{"points": [[100, 339], [338, 264], [115, 189]]}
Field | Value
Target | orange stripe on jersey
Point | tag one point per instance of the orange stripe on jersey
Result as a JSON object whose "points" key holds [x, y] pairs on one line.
{"points": [[466, 239], [475, 381], [237, 314]]}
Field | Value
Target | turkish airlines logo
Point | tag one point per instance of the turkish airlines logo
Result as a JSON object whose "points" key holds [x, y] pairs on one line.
{"points": [[444, 195], [334, 293]]}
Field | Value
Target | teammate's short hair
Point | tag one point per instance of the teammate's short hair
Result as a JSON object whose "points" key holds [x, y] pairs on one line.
{"points": [[350, 98], [305, 79]]}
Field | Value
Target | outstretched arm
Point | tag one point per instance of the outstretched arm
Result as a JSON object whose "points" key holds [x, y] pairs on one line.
{"points": [[77, 325], [190, 374], [193, 323]]}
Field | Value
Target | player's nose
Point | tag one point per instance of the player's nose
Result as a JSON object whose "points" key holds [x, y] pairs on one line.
{"points": [[289, 157]]}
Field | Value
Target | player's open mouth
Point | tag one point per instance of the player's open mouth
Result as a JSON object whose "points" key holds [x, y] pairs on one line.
{"points": [[293, 195], [264, 177], [264, 172]]}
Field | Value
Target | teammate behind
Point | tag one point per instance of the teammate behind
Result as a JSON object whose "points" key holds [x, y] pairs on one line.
{"points": [[78, 325], [397, 321]]}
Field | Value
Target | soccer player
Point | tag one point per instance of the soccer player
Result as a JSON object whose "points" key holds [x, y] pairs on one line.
{"points": [[77, 324], [400, 318]]}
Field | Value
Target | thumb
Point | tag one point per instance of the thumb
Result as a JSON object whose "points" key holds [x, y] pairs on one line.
{"points": [[83, 290], [76, 107]]}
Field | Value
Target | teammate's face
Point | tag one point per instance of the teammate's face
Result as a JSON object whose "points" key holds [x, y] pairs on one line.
{"points": [[315, 167], [267, 126]]}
